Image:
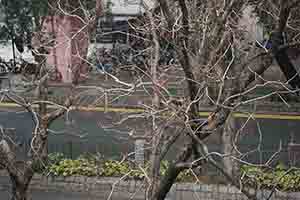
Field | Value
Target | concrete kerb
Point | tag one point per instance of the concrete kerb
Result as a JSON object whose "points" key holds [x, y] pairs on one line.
{"points": [[102, 186]]}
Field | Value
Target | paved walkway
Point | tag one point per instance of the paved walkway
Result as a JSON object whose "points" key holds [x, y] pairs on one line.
{"points": [[51, 195], [45, 195]]}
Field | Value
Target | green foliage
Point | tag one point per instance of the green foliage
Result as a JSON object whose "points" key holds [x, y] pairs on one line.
{"points": [[173, 91], [55, 158], [118, 169], [164, 165], [115, 168], [89, 165], [22, 17], [281, 177], [68, 167]]}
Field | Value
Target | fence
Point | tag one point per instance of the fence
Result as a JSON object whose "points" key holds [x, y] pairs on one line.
{"points": [[289, 155], [111, 149]]}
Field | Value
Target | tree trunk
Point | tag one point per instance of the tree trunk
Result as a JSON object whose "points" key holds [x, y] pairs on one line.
{"points": [[172, 173], [228, 137], [154, 176], [19, 188], [19, 193], [167, 182], [155, 165], [155, 161]]}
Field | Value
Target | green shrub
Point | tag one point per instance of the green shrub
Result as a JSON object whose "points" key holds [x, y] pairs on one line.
{"points": [[115, 168], [281, 177], [55, 158], [68, 167], [42, 166], [89, 165]]}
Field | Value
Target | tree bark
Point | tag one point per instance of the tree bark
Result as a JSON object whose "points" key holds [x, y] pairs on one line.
{"points": [[19, 190], [172, 174], [167, 183], [20, 179], [154, 174], [227, 138]]}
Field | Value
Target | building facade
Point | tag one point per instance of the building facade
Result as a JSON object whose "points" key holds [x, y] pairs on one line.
{"points": [[69, 50]]}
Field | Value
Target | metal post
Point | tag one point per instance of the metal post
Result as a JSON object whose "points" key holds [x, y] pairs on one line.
{"points": [[139, 145], [71, 149], [13, 48]]}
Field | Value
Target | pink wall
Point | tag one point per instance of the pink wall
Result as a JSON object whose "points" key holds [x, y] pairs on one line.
{"points": [[70, 49]]}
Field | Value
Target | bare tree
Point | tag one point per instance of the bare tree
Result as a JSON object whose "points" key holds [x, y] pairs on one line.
{"points": [[221, 65], [22, 171]]}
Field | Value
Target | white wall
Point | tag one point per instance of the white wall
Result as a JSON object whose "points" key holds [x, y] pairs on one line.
{"points": [[129, 7], [249, 21]]}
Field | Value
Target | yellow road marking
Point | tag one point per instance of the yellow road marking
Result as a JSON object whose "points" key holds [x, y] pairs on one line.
{"points": [[281, 116], [268, 116], [82, 108]]}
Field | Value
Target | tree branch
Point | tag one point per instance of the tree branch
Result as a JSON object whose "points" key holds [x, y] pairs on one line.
{"points": [[50, 117], [185, 60], [6, 154], [166, 11], [277, 40]]}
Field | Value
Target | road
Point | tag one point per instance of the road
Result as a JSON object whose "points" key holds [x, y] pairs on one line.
{"points": [[276, 128], [134, 109]]}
